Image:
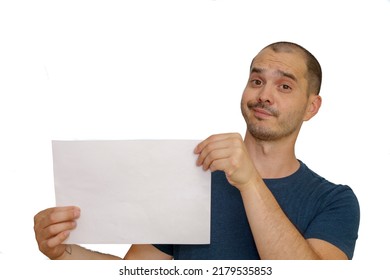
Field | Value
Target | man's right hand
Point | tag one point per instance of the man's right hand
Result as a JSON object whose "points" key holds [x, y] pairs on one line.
{"points": [[52, 226]]}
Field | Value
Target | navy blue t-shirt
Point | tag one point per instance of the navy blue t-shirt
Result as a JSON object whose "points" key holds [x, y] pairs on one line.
{"points": [[318, 208]]}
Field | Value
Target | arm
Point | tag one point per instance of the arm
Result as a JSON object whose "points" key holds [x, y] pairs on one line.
{"points": [[146, 252], [76, 252], [136, 252], [275, 236]]}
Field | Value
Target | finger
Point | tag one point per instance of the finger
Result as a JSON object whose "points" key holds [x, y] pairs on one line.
{"points": [[55, 241], [226, 141], [42, 214], [213, 147], [212, 138], [55, 229], [215, 155], [57, 215]]}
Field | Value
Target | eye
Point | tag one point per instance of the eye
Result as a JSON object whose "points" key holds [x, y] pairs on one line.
{"points": [[285, 88], [256, 82]]}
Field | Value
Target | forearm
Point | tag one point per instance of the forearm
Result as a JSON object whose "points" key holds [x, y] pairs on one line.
{"points": [[275, 236], [76, 252]]}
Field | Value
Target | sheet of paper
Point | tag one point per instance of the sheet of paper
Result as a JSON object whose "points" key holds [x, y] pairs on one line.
{"points": [[133, 191]]}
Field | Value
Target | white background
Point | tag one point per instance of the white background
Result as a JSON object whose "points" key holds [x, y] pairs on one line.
{"points": [[176, 69]]}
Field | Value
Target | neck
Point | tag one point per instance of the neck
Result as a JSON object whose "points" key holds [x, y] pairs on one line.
{"points": [[273, 159]]}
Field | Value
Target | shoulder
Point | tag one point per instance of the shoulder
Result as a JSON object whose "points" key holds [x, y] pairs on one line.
{"points": [[327, 189]]}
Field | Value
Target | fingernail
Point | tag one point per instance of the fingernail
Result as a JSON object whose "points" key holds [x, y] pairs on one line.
{"points": [[76, 213]]}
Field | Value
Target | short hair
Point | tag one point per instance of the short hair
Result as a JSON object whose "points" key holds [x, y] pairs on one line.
{"points": [[313, 66]]}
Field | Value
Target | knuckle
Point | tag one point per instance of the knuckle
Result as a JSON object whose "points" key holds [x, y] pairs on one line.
{"points": [[40, 246], [212, 154], [210, 138], [237, 153], [51, 218], [234, 163], [43, 246], [213, 136], [36, 219], [237, 136], [36, 229], [206, 149], [229, 172], [237, 141], [51, 230], [49, 244]]}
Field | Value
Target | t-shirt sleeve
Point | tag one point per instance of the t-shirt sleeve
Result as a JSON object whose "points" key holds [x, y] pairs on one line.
{"points": [[338, 220], [167, 249]]}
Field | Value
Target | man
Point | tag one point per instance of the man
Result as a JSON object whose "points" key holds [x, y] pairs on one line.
{"points": [[265, 202]]}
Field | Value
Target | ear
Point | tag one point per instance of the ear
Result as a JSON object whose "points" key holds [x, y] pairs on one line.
{"points": [[313, 106]]}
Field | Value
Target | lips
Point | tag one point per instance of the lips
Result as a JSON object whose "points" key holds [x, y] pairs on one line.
{"points": [[262, 110], [259, 112]]}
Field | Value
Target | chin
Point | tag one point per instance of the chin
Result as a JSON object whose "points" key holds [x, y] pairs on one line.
{"points": [[261, 133]]}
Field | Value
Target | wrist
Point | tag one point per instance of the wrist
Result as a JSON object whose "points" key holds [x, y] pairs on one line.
{"points": [[66, 253], [251, 185]]}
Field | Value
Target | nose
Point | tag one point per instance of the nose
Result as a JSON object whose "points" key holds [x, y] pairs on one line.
{"points": [[265, 95]]}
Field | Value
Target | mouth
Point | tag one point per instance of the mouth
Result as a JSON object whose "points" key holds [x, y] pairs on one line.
{"points": [[262, 113]]}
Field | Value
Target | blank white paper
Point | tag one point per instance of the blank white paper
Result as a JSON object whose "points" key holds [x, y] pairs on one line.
{"points": [[134, 191]]}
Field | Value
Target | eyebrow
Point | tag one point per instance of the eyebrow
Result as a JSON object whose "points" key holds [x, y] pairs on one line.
{"points": [[278, 73]]}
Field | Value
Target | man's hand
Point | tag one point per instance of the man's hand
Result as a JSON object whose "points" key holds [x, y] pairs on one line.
{"points": [[52, 226], [227, 152]]}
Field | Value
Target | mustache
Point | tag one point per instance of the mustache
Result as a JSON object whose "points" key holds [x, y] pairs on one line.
{"points": [[264, 106]]}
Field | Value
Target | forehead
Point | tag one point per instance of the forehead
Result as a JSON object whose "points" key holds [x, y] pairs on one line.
{"points": [[292, 62]]}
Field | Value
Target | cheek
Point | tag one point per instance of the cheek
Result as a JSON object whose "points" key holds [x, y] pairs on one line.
{"points": [[248, 95], [244, 97], [244, 105], [297, 115]]}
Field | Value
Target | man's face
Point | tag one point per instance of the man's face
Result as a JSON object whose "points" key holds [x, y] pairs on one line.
{"points": [[275, 100]]}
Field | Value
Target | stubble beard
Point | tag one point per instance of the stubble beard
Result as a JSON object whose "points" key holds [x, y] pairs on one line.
{"points": [[260, 132]]}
